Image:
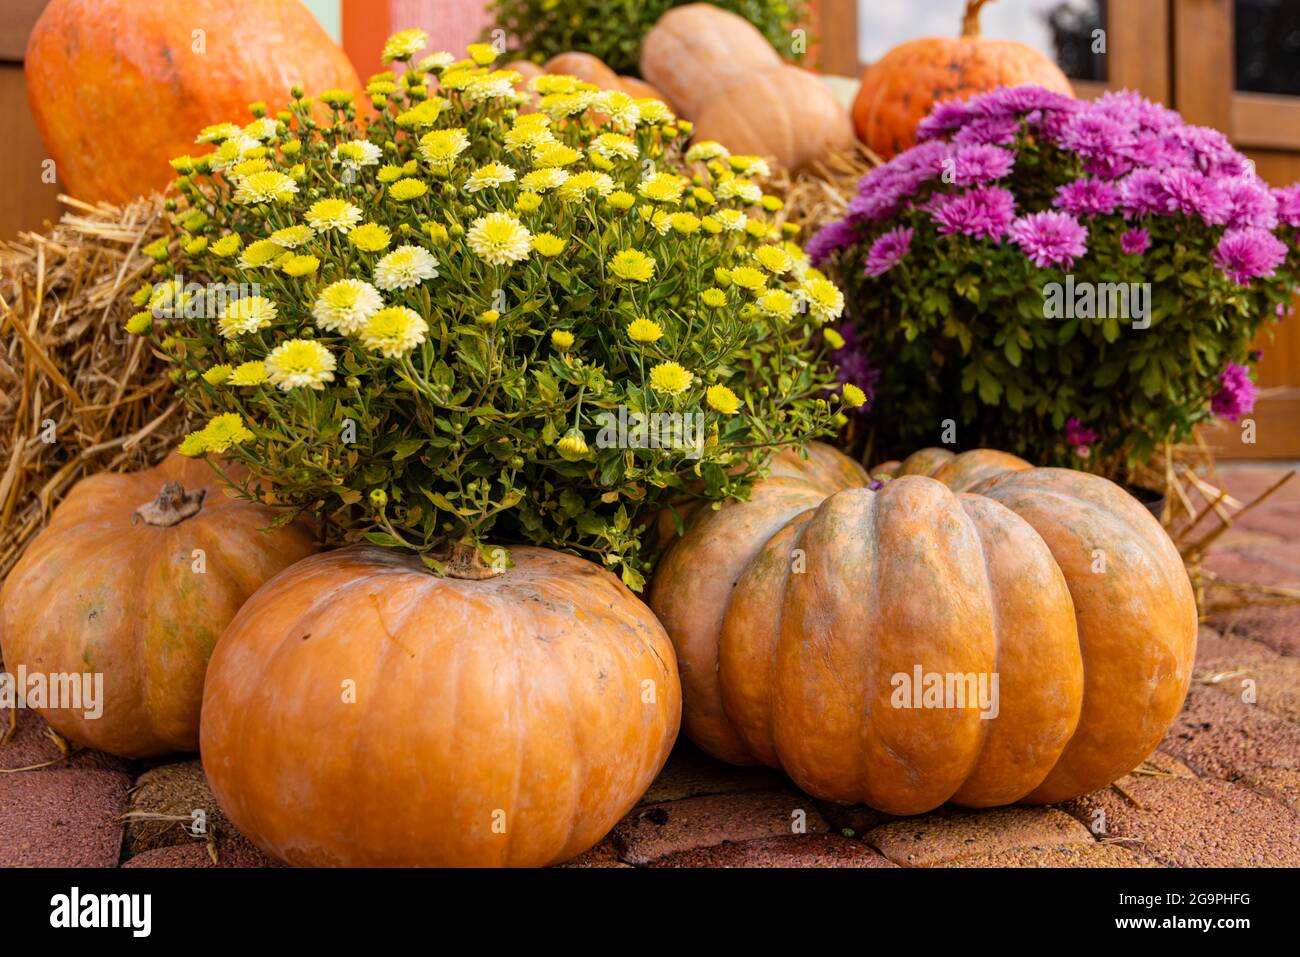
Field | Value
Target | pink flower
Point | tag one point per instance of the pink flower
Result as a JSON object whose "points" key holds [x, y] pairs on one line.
{"points": [[1050, 239], [1248, 253], [984, 213], [1236, 395], [1135, 242], [1087, 197], [1079, 437], [888, 251]]}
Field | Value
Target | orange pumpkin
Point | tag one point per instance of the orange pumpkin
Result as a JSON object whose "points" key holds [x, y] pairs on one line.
{"points": [[588, 68], [119, 87], [134, 579], [901, 88], [832, 631], [783, 112], [696, 51], [361, 711]]}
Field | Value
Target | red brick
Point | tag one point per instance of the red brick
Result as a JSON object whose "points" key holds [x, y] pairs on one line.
{"points": [[604, 854], [1223, 652], [1093, 854], [857, 818], [1277, 626], [31, 745], [1218, 736], [233, 850], [66, 817], [1247, 482], [1274, 683], [951, 834], [692, 773], [651, 831], [1195, 822], [796, 850]]}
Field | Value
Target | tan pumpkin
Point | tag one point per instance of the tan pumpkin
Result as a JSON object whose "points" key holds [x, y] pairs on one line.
{"points": [[695, 51], [134, 579], [585, 67], [119, 87], [360, 711], [784, 112], [901, 88], [810, 623]]}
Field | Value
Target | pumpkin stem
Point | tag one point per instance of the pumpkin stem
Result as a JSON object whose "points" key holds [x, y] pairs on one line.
{"points": [[172, 506], [970, 24], [461, 560]]}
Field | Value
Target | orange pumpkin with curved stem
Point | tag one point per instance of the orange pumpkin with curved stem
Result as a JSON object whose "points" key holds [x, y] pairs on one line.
{"points": [[802, 616], [119, 87], [901, 88], [134, 578], [361, 711]]}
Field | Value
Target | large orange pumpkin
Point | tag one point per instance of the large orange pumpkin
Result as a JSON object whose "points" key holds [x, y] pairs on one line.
{"points": [[361, 711], [134, 579], [901, 88], [812, 623], [119, 87]]}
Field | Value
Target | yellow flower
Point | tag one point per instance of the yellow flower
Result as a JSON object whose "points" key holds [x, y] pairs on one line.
{"points": [[732, 219], [722, 399], [491, 175], [248, 374], [300, 362], [750, 166], [183, 164], [196, 246], [572, 445], [747, 277], [249, 167], [644, 330], [192, 445], [670, 377], [225, 431], [358, 153], [336, 98], [774, 259], [441, 147], [327, 214], [499, 239], [555, 154], [825, 301], [756, 228], [246, 315], [580, 184], [711, 225], [852, 396], [298, 266], [388, 173], [777, 303], [685, 223], [405, 268], [833, 339], [540, 180], [714, 298], [654, 111], [405, 190], [489, 317], [632, 265], [548, 244], [662, 188], [705, 150], [620, 199], [344, 306], [613, 146], [265, 187], [551, 83], [291, 237], [156, 250], [404, 44], [140, 323], [370, 237], [561, 341], [482, 53], [527, 202], [772, 203], [394, 331]]}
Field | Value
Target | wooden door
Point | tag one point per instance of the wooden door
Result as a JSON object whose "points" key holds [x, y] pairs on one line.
{"points": [[27, 198]]}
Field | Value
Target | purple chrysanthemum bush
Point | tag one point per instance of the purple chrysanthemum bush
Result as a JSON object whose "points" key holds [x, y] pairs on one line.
{"points": [[1063, 279]]}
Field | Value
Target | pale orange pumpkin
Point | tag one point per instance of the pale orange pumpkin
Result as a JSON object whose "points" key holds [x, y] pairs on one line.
{"points": [[134, 578], [119, 87], [588, 68], [802, 617], [901, 88], [696, 51], [784, 112], [361, 711]]}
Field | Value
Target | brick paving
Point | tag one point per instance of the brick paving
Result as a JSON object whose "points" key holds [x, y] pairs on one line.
{"points": [[1223, 788]]}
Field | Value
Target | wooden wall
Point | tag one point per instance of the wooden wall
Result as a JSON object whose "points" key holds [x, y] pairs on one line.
{"points": [[25, 201]]}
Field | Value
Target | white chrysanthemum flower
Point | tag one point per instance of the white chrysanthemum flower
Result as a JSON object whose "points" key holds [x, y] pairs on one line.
{"points": [[404, 268], [358, 153], [218, 133], [262, 128], [494, 86], [655, 111], [250, 314], [441, 147], [231, 152], [300, 363], [345, 306], [777, 303], [706, 150], [394, 331], [541, 180], [580, 184], [612, 145], [327, 214], [523, 136], [291, 237], [733, 187], [404, 44], [732, 219], [488, 177], [435, 61], [499, 239], [265, 187], [751, 166], [662, 187], [562, 105]]}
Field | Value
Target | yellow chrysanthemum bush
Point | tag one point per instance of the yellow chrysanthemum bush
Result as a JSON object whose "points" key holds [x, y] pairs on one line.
{"points": [[471, 312]]}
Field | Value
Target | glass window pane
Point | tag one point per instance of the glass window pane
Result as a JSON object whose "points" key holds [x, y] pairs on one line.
{"points": [[1063, 29], [1268, 46]]}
